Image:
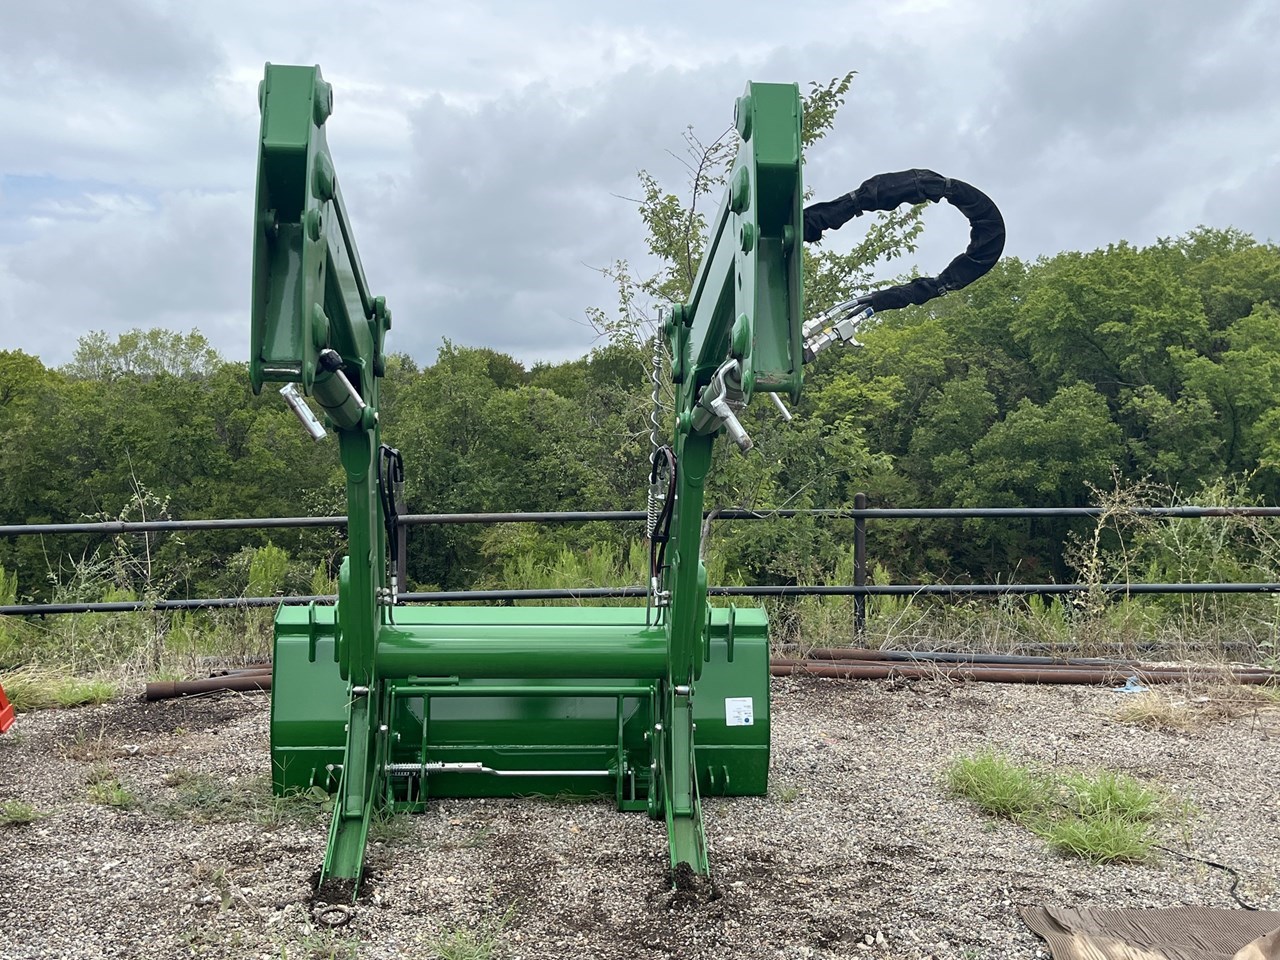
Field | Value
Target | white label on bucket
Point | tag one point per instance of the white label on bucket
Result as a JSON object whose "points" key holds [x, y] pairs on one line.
{"points": [[738, 711]]}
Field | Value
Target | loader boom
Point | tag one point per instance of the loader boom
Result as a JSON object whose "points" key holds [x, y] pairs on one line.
{"points": [[387, 705]]}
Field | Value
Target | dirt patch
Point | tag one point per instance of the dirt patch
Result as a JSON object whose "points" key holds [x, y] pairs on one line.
{"points": [[689, 890], [859, 851], [141, 720]]}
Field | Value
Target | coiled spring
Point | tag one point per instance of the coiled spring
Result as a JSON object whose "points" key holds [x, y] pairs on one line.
{"points": [[656, 492]]}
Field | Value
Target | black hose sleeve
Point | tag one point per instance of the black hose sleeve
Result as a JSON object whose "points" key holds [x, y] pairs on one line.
{"points": [[889, 190]]}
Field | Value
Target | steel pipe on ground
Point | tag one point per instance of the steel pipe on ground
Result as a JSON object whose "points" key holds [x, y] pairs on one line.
{"points": [[909, 656], [168, 689], [1007, 670], [978, 659], [998, 673], [242, 671]]}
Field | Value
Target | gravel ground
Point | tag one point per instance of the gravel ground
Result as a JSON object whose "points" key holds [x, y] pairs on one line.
{"points": [[857, 852]]}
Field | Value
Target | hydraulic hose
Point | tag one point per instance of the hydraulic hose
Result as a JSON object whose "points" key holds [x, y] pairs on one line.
{"points": [[886, 192]]}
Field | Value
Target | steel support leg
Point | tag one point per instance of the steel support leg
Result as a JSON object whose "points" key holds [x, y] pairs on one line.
{"points": [[686, 837]]}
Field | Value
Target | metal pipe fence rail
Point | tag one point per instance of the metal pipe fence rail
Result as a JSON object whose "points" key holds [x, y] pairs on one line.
{"points": [[632, 592], [859, 590], [588, 516]]}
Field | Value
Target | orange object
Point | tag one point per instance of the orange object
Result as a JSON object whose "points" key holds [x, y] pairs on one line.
{"points": [[6, 712]]}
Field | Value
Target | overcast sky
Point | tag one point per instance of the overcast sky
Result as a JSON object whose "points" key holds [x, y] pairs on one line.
{"points": [[486, 149]]}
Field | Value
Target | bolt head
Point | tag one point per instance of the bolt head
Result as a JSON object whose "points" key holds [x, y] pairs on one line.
{"points": [[742, 117], [323, 102]]}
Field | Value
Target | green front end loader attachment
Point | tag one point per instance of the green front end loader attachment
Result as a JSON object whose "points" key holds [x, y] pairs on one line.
{"points": [[556, 723], [385, 706]]}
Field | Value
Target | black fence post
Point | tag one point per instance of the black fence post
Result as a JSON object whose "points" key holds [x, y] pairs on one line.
{"points": [[860, 565]]}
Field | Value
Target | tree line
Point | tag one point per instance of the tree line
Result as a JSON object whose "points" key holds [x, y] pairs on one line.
{"points": [[1040, 385]]}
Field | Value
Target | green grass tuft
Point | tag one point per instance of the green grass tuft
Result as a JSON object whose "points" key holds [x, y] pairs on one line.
{"points": [[1103, 817], [319, 945], [204, 798], [476, 944], [388, 827], [1107, 793], [999, 786], [38, 688], [17, 813], [110, 792], [1103, 837]]}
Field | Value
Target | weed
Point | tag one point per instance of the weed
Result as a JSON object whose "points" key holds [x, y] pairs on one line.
{"points": [[218, 941], [1101, 838], [1269, 693], [215, 875], [388, 827], [1108, 794], [1102, 816], [204, 798], [88, 748], [42, 688], [207, 799], [297, 806], [471, 944], [1158, 711], [319, 945], [1196, 706], [788, 794], [999, 786], [17, 813], [109, 792]]}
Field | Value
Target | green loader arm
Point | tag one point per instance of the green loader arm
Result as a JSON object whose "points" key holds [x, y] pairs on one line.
{"points": [[739, 333], [314, 322], [388, 711]]}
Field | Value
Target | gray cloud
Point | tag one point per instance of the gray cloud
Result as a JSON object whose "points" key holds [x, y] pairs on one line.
{"points": [[510, 205], [486, 150], [62, 42]]}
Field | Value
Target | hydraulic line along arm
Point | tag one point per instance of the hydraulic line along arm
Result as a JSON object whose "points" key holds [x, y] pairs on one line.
{"points": [[385, 707]]}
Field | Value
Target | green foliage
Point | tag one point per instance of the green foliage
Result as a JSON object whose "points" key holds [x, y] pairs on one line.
{"points": [[1102, 838], [9, 628], [1110, 794], [999, 786], [599, 565], [144, 354], [1103, 817], [17, 813], [476, 943], [1043, 454], [267, 569], [387, 827], [106, 789], [45, 688]]}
